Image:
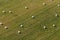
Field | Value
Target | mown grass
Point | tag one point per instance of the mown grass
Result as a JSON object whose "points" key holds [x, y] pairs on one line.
{"points": [[33, 28]]}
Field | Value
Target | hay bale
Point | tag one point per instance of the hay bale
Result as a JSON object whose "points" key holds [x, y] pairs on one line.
{"points": [[58, 4], [1, 23], [3, 11], [33, 16], [21, 25], [6, 27], [44, 27], [44, 4], [19, 32], [54, 25], [56, 15], [26, 7], [10, 11]]}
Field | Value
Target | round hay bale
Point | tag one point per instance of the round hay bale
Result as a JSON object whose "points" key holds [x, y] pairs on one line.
{"points": [[26, 7], [19, 32], [44, 4], [33, 16], [10, 11], [1, 23], [6, 27], [21, 25], [58, 4], [45, 27], [56, 15], [54, 25], [3, 11]]}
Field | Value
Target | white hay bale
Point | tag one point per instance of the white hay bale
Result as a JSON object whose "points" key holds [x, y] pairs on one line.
{"points": [[10, 11], [19, 32], [33, 16], [26, 7], [44, 4], [1, 23], [56, 15], [21, 25], [58, 4], [6, 27], [54, 25], [3, 11], [44, 27]]}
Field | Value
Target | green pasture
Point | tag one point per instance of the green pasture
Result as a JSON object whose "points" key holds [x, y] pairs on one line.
{"points": [[32, 28]]}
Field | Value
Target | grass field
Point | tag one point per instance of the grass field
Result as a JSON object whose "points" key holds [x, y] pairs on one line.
{"points": [[33, 28]]}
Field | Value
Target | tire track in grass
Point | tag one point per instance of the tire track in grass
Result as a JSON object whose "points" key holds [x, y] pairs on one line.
{"points": [[15, 25], [14, 7], [9, 6], [56, 29], [47, 37], [52, 33], [38, 34]]}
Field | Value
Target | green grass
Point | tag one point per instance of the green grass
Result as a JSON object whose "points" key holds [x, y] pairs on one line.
{"points": [[33, 28]]}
